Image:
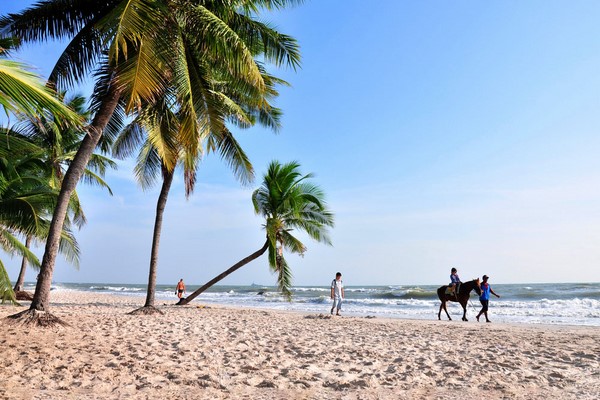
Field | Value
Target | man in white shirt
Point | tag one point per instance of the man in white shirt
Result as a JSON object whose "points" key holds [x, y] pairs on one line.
{"points": [[337, 293]]}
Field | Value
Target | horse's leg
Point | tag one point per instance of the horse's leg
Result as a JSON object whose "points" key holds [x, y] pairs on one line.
{"points": [[445, 309], [464, 306], [440, 312]]}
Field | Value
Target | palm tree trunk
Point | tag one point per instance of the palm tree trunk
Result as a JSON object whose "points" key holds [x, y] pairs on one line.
{"points": [[235, 267], [21, 278], [41, 297], [160, 209]]}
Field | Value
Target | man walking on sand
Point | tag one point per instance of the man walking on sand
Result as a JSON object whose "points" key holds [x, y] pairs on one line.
{"points": [[337, 293], [486, 289], [180, 288]]}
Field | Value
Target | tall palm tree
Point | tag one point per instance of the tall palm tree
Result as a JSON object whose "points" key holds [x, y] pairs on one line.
{"points": [[287, 202], [143, 45], [163, 127], [58, 142]]}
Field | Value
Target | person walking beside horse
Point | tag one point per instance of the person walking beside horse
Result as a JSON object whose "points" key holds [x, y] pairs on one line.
{"points": [[484, 298]]}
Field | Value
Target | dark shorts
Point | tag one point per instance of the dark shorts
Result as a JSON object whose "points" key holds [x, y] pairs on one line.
{"points": [[180, 290], [484, 303]]}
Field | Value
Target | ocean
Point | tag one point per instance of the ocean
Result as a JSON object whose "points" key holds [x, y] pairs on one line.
{"points": [[556, 303]]}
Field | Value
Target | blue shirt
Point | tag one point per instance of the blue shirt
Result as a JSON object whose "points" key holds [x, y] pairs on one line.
{"points": [[485, 291], [454, 278]]}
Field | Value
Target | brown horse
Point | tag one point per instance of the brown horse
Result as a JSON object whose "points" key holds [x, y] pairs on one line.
{"points": [[462, 296]]}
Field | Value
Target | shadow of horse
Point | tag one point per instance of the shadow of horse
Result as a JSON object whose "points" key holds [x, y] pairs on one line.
{"points": [[461, 297]]}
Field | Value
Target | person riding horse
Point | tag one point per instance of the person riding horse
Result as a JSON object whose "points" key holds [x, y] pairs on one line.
{"points": [[461, 296], [454, 281]]}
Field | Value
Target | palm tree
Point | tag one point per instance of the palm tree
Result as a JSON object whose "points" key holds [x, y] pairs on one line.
{"points": [[18, 213], [58, 142], [26, 201], [147, 45], [287, 202], [163, 127]]}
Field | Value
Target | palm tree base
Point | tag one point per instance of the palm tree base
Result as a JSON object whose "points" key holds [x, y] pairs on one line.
{"points": [[182, 302], [35, 318], [146, 310]]}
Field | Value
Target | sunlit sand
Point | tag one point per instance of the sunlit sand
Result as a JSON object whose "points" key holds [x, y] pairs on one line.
{"points": [[217, 352]]}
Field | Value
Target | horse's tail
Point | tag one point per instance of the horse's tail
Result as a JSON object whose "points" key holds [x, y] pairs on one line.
{"points": [[441, 292]]}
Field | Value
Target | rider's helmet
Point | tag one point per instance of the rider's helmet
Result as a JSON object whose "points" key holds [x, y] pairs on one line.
{"points": [[453, 270]]}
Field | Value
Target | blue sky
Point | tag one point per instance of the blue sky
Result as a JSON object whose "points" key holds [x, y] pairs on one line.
{"points": [[444, 133]]}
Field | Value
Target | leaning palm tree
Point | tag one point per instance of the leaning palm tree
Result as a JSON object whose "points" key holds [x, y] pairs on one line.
{"points": [[287, 202], [148, 45], [58, 142]]}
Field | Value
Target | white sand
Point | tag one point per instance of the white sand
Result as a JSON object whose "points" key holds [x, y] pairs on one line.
{"points": [[224, 353]]}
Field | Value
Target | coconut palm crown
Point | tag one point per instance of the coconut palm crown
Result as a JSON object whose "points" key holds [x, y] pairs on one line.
{"points": [[289, 202]]}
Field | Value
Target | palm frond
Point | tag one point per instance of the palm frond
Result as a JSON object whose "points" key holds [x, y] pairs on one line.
{"points": [[254, 6], [95, 180], [284, 278], [112, 130], [129, 140], [13, 246], [266, 41], [141, 76], [233, 154], [6, 290], [79, 57], [223, 43], [133, 21], [69, 248], [78, 216], [291, 243], [148, 166], [163, 127], [22, 91], [99, 163]]}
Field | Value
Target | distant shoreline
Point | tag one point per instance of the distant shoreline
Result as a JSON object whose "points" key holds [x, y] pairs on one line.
{"points": [[137, 299], [555, 304]]}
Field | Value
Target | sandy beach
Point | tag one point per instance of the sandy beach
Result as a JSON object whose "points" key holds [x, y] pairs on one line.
{"points": [[198, 352]]}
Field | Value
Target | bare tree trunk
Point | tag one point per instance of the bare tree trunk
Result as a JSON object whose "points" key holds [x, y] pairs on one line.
{"points": [[235, 267], [160, 209], [21, 278], [41, 297]]}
